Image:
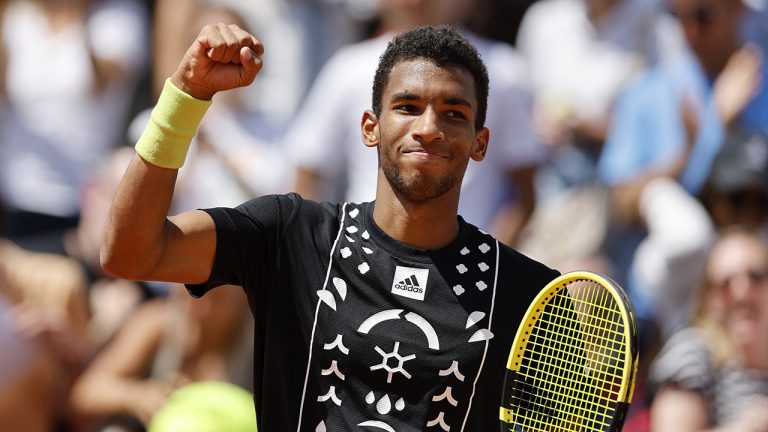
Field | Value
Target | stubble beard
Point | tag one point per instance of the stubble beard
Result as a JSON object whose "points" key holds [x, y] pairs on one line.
{"points": [[417, 187]]}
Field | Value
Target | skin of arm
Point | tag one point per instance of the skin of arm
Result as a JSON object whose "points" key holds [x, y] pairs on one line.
{"points": [[678, 410], [140, 241], [113, 385], [512, 217], [173, 17], [308, 183]]}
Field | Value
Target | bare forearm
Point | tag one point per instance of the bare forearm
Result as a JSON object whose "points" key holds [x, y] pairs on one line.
{"points": [[101, 396], [509, 223], [174, 17], [308, 183], [133, 237], [513, 216], [626, 197], [679, 410]]}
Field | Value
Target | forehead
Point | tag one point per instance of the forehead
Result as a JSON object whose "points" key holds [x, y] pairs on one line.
{"points": [[737, 253], [424, 76]]}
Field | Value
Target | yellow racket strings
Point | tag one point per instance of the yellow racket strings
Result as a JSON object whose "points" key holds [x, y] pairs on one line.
{"points": [[573, 365]]}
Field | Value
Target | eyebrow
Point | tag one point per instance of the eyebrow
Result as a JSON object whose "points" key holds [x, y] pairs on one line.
{"points": [[405, 96], [453, 100], [458, 101]]}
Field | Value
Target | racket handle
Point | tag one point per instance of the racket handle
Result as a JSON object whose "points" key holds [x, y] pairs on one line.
{"points": [[621, 414], [506, 415]]}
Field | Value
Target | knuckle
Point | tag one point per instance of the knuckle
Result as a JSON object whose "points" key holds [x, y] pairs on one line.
{"points": [[208, 28]]}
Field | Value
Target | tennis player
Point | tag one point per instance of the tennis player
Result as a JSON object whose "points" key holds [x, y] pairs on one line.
{"points": [[392, 315]]}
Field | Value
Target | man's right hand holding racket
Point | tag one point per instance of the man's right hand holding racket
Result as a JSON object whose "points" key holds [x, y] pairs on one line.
{"points": [[223, 57]]}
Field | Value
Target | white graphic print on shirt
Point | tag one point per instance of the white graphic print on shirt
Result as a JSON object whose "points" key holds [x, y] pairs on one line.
{"points": [[399, 337]]}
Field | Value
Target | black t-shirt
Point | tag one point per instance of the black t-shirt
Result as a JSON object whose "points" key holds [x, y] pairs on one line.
{"points": [[357, 331]]}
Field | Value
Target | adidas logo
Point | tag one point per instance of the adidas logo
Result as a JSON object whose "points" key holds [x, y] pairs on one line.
{"points": [[410, 282]]}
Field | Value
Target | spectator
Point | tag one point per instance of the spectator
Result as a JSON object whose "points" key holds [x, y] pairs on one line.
{"points": [[736, 193], [671, 122], [66, 108], [166, 343], [111, 300], [42, 337], [333, 164], [576, 73], [714, 376]]}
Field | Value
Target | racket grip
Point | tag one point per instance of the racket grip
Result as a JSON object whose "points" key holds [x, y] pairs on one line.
{"points": [[621, 414], [506, 415]]}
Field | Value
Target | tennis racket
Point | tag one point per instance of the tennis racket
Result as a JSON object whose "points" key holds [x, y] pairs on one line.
{"points": [[573, 363]]}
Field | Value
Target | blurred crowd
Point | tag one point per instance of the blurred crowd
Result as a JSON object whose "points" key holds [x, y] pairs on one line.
{"points": [[628, 137]]}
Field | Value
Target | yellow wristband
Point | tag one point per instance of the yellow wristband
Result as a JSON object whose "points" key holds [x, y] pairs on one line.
{"points": [[172, 125]]}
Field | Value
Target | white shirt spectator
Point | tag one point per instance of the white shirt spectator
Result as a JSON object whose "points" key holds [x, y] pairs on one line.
{"points": [[57, 126], [577, 66]]}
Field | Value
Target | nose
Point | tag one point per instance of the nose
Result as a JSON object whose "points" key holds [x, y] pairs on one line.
{"points": [[741, 287], [427, 127]]}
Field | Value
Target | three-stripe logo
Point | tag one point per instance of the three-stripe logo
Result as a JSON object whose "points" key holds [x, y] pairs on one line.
{"points": [[410, 282]]}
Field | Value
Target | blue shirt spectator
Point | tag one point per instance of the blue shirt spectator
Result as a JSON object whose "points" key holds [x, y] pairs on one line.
{"points": [[648, 133]]}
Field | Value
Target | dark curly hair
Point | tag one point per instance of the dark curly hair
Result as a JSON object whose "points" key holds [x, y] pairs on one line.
{"points": [[446, 48]]}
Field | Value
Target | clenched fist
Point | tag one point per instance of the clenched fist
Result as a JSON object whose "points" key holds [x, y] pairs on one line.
{"points": [[222, 57]]}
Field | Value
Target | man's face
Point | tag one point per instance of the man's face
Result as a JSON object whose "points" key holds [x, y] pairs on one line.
{"points": [[709, 25], [738, 273], [425, 133]]}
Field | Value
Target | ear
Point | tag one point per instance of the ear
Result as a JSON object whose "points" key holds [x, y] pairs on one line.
{"points": [[369, 126], [477, 153]]}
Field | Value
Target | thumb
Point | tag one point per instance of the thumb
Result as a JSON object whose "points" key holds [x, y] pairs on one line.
{"points": [[251, 63]]}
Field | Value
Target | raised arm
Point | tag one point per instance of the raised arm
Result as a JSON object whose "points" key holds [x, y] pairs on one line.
{"points": [[140, 241]]}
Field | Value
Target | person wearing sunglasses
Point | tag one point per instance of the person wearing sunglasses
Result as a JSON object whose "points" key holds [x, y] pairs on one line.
{"points": [[714, 375]]}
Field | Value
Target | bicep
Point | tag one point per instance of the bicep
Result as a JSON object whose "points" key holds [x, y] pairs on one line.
{"points": [[189, 248]]}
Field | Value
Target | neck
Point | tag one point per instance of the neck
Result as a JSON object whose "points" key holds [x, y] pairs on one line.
{"points": [[427, 224]]}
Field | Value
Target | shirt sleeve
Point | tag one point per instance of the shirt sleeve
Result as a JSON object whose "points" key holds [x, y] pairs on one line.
{"points": [[685, 361], [644, 134], [247, 242]]}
